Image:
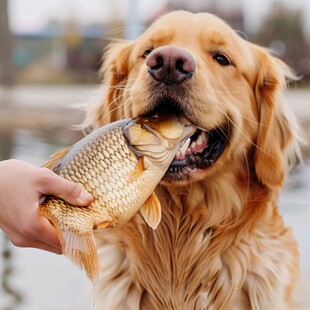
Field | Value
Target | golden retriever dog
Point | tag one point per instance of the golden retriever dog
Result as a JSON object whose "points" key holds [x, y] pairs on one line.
{"points": [[221, 243]]}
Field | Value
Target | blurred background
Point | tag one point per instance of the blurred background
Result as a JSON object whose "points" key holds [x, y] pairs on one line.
{"points": [[50, 52]]}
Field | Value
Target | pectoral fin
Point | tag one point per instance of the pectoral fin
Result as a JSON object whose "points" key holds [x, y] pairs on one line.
{"points": [[139, 169], [151, 211], [105, 225]]}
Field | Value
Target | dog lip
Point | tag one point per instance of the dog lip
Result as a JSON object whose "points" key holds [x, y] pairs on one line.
{"points": [[168, 104], [164, 103]]}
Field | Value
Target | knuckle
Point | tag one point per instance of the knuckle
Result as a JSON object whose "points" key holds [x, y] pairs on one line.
{"points": [[44, 177], [19, 241], [73, 190], [29, 232], [46, 173]]}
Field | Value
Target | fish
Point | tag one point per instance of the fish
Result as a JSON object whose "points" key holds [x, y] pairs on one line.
{"points": [[120, 164]]}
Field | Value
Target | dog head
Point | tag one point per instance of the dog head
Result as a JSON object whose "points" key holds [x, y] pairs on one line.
{"points": [[196, 65]]}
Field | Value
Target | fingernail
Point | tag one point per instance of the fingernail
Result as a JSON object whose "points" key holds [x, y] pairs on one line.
{"points": [[86, 197]]}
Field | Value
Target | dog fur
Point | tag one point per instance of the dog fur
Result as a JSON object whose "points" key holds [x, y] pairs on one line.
{"points": [[221, 243]]}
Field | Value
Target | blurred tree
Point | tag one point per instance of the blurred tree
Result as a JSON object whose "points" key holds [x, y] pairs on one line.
{"points": [[283, 31], [6, 46]]}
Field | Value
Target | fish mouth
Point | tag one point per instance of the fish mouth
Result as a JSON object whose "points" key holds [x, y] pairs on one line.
{"points": [[198, 152]]}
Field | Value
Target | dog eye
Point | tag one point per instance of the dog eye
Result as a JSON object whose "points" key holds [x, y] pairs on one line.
{"points": [[221, 59], [147, 52]]}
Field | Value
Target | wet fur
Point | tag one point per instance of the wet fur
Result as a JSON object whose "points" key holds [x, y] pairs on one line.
{"points": [[222, 243]]}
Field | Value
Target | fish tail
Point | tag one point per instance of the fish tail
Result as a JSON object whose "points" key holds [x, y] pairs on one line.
{"points": [[77, 245], [80, 248]]}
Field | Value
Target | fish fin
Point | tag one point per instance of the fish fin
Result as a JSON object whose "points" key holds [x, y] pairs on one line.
{"points": [[139, 169], [105, 225], [55, 158], [80, 248], [151, 211]]}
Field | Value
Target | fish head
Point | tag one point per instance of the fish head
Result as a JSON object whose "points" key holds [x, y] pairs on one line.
{"points": [[158, 135]]}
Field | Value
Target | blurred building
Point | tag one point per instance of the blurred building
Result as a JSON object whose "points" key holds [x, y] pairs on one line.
{"points": [[70, 52]]}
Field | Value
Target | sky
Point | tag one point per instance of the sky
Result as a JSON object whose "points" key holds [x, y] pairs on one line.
{"points": [[31, 15]]}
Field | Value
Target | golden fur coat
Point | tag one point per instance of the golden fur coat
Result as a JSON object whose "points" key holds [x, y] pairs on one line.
{"points": [[221, 243]]}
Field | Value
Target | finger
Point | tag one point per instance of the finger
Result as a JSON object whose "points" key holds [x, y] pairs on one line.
{"points": [[52, 184], [23, 241], [42, 246], [46, 233]]}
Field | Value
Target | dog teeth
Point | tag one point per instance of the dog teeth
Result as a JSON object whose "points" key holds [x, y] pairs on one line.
{"points": [[185, 145], [192, 147], [202, 139], [198, 145], [182, 151]]}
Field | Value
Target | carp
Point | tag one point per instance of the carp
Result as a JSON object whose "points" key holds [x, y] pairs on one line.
{"points": [[120, 164]]}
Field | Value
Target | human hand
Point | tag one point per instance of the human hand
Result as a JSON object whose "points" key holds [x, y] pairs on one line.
{"points": [[22, 189]]}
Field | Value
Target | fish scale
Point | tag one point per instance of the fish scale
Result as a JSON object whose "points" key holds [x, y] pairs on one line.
{"points": [[120, 165], [109, 188]]}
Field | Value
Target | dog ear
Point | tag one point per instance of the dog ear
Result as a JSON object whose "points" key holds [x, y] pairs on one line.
{"points": [[277, 125], [114, 72]]}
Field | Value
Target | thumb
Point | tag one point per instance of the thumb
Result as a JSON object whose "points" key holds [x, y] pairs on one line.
{"points": [[52, 184]]}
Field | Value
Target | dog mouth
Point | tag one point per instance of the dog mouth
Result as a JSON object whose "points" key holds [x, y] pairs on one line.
{"points": [[199, 152]]}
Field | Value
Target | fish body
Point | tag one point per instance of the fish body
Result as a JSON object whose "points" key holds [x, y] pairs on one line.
{"points": [[120, 165]]}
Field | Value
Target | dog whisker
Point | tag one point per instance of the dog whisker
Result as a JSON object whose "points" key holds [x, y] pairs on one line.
{"points": [[220, 107], [231, 99]]}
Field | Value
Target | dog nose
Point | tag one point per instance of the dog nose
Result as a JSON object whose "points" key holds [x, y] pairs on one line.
{"points": [[171, 65]]}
